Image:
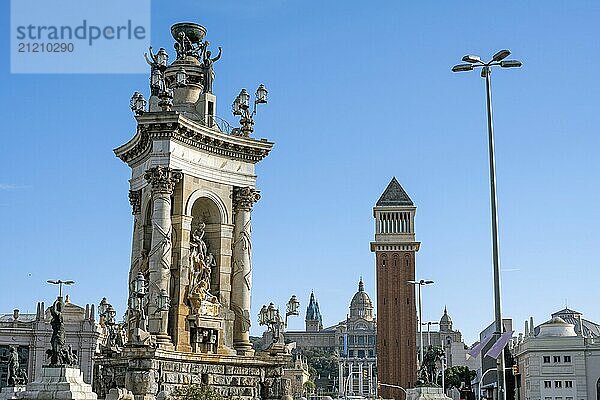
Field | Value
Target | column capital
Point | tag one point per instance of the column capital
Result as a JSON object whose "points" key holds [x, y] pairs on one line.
{"points": [[163, 179], [245, 197], [135, 199]]}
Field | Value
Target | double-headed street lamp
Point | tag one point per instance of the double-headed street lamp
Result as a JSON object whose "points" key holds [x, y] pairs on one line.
{"points": [[420, 283], [473, 62]]}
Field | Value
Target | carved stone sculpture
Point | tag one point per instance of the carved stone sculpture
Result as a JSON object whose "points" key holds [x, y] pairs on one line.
{"points": [[207, 68], [429, 369], [201, 264], [57, 340]]}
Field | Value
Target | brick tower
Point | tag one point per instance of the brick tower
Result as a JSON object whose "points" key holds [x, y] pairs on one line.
{"points": [[395, 249]]}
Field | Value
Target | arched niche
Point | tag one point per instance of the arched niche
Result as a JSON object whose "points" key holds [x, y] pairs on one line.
{"points": [[219, 211], [210, 212]]}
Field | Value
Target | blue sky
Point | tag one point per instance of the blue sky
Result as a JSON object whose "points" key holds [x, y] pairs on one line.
{"points": [[359, 92]]}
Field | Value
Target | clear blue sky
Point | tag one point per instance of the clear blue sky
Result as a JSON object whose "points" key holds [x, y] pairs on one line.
{"points": [[359, 92]]}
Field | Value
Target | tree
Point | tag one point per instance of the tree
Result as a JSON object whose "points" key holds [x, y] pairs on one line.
{"points": [[195, 392], [459, 377], [309, 387]]}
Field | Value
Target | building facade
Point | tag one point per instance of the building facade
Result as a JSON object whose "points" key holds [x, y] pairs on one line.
{"points": [[395, 250], [353, 340], [559, 359]]}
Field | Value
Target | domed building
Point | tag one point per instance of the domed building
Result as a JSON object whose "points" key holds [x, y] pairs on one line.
{"points": [[353, 339], [558, 359]]}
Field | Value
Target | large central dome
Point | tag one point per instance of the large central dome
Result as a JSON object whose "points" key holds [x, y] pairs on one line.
{"points": [[361, 305]]}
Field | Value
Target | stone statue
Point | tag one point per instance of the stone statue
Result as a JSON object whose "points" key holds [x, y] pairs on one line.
{"points": [[207, 66], [158, 63], [429, 369], [184, 47], [57, 340], [13, 366]]}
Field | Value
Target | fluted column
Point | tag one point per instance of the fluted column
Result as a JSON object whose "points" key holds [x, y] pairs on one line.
{"points": [[162, 181], [341, 379], [241, 275], [371, 383], [360, 378]]}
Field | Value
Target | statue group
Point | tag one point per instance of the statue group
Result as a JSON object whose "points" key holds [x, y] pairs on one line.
{"points": [[201, 265], [429, 367], [185, 48], [60, 353]]}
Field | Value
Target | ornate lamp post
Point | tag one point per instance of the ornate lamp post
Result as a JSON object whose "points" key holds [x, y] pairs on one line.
{"points": [[137, 299], [241, 107], [270, 317], [420, 283], [486, 71]]}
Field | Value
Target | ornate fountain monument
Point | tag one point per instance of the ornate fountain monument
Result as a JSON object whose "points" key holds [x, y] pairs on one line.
{"points": [[192, 189]]}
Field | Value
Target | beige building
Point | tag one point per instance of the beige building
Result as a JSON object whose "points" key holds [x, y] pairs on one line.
{"points": [[298, 375], [559, 359]]}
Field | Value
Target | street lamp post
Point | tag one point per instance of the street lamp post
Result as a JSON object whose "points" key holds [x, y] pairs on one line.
{"points": [[429, 323], [486, 70], [418, 284]]}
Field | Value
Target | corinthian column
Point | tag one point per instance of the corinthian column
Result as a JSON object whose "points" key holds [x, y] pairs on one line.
{"points": [[241, 276], [162, 181]]}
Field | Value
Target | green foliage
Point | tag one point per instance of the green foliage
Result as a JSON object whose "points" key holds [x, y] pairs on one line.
{"points": [[309, 386], [321, 363], [455, 376], [195, 392]]}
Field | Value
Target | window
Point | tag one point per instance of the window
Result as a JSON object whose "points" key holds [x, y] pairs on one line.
{"points": [[567, 359], [568, 384], [558, 398], [351, 353], [547, 398], [547, 384], [568, 398], [546, 359], [361, 354], [556, 359], [557, 384]]}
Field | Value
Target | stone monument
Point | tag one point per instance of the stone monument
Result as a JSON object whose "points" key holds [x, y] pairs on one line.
{"points": [[62, 378], [427, 388], [192, 190]]}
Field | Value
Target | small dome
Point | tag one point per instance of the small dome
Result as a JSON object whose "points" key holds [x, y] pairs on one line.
{"points": [[445, 322], [556, 327], [361, 305]]}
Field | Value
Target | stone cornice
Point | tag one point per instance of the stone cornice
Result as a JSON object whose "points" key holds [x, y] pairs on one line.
{"points": [[395, 246], [174, 126]]}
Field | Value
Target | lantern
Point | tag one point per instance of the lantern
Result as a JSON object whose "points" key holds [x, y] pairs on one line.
{"points": [[139, 285], [292, 306], [163, 301], [103, 307], [261, 94], [262, 315], [271, 313], [244, 99], [181, 77]]}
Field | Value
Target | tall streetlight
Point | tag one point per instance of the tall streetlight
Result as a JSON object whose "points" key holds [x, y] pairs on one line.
{"points": [[420, 283], [486, 70]]}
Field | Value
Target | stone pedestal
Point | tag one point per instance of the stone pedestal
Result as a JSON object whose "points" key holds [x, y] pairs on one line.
{"points": [[426, 393], [11, 392], [59, 383]]}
